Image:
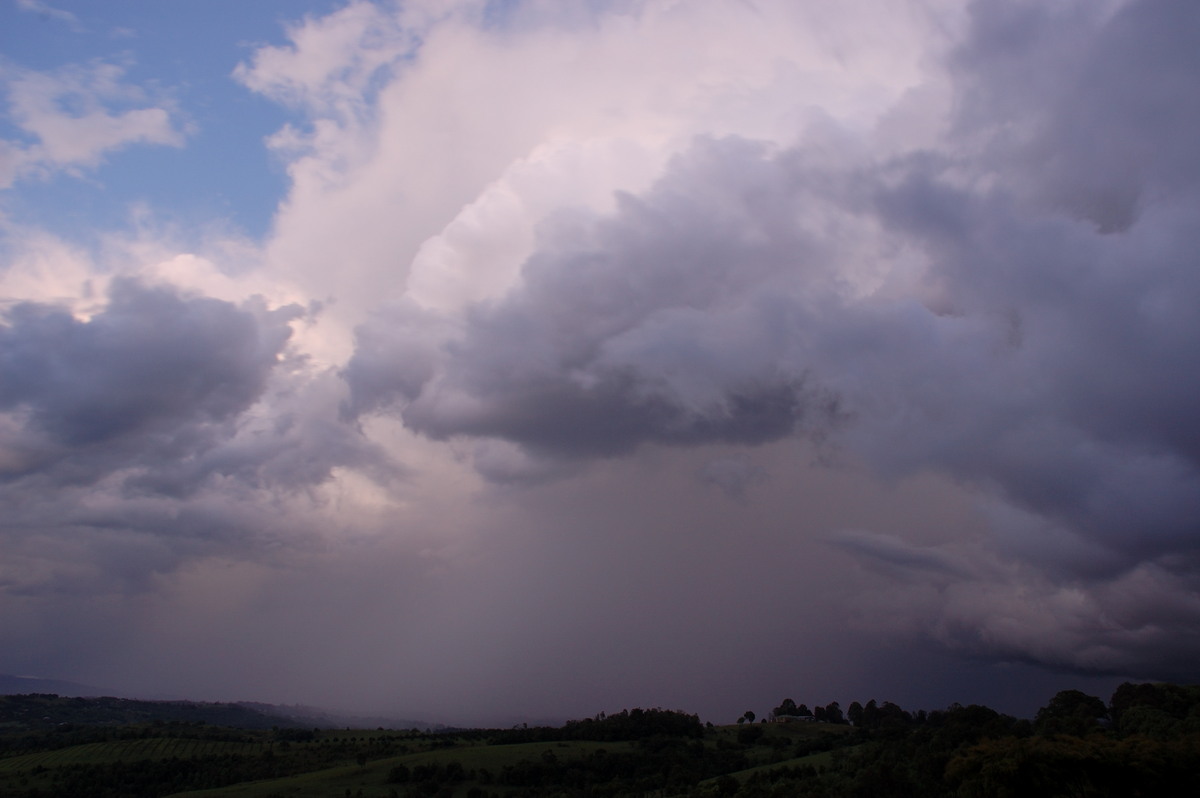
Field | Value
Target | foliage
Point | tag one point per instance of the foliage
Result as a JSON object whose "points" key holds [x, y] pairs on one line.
{"points": [[1071, 712], [1157, 710], [1152, 747], [633, 724], [786, 708], [46, 710], [1095, 765], [158, 759]]}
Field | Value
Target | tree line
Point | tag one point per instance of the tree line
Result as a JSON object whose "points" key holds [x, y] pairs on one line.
{"points": [[1144, 742]]}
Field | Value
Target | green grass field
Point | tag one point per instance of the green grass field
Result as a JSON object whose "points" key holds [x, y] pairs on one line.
{"points": [[200, 761], [372, 779], [128, 751], [817, 760]]}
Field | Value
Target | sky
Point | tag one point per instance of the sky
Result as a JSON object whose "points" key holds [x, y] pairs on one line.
{"points": [[488, 360]]}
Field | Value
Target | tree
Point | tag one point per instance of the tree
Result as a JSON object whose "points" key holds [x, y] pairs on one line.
{"points": [[891, 718], [854, 713], [749, 716], [870, 714], [1070, 712], [1156, 710], [787, 708]]}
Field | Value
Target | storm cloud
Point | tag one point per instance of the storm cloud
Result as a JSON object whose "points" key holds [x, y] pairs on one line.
{"points": [[1008, 306], [657, 324], [649, 353], [130, 435], [154, 375]]}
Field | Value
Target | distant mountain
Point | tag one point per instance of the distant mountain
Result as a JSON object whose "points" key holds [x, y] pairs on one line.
{"points": [[247, 714], [330, 719], [105, 706], [42, 710], [17, 685]]}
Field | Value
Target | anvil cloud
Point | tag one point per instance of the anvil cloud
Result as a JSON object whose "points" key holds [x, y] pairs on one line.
{"points": [[602, 354]]}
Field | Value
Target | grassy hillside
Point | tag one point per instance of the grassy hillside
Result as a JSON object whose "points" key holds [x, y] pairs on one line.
{"points": [[1146, 741], [466, 768], [50, 711]]}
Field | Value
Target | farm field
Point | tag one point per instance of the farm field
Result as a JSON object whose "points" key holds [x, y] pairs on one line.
{"points": [[157, 760], [192, 761], [513, 769], [479, 765], [1146, 741], [153, 749]]}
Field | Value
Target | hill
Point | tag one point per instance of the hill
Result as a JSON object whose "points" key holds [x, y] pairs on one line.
{"points": [[14, 685], [1144, 741], [46, 710]]}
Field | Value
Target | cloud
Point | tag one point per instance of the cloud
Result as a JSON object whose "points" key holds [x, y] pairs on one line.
{"points": [[734, 475], [998, 304], [1092, 86], [1083, 415], [71, 118], [334, 63], [921, 271], [47, 11], [166, 425], [1063, 249], [895, 553], [153, 371], [1142, 622], [655, 324], [478, 127]]}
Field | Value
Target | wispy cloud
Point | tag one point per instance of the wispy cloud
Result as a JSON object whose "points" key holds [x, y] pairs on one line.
{"points": [[47, 11], [72, 117]]}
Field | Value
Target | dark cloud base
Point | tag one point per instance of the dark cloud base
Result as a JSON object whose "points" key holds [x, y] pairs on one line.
{"points": [[131, 447]]}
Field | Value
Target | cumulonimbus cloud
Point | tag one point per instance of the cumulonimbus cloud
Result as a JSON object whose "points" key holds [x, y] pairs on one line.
{"points": [[1006, 304], [139, 424], [153, 375], [958, 240]]}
